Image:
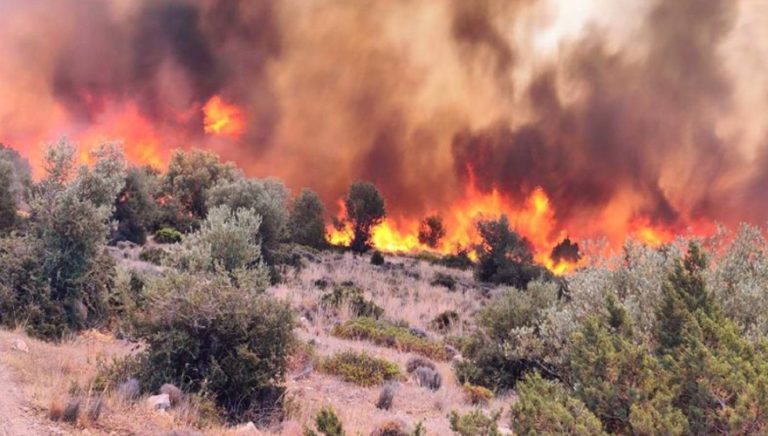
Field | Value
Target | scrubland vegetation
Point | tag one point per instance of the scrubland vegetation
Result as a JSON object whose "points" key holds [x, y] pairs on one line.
{"points": [[225, 288]]}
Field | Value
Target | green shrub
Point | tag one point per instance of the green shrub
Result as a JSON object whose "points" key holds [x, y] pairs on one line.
{"points": [[206, 336], [360, 368], [168, 235], [354, 298], [388, 335], [306, 223], [544, 407], [501, 351], [459, 260], [365, 210], [327, 423], [475, 423]]}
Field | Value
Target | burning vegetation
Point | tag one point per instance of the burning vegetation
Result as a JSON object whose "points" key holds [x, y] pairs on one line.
{"points": [[581, 123]]}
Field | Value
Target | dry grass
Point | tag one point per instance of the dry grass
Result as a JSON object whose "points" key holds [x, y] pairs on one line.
{"points": [[49, 372]]}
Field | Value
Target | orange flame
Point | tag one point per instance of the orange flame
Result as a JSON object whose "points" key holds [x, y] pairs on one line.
{"points": [[534, 219], [222, 118]]}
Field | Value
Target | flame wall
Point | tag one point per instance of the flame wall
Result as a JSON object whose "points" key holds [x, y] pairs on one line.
{"points": [[640, 116]]}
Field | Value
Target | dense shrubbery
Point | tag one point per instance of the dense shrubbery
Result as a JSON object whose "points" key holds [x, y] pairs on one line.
{"points": [[501, 351], [167, 235], [57, 277], [306, 223], [207, 336], [365, 210]]}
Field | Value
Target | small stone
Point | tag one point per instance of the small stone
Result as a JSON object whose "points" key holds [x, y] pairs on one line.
{"points": [[174, 394], [20, 345], [248, 428], [159, 402]]}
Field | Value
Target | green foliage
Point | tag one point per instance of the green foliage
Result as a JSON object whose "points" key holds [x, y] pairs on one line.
{"points": [[386, 334], [205, 335], [135, 207], [504, 256], [227, 243], [353, 297], [191, 175], [508, 342], [475, 423], [268, 198], [327, 423], [377, 258], [167, 235], [545, 407], [365, 210], [360, 368], [306, 223], [431, 231]]}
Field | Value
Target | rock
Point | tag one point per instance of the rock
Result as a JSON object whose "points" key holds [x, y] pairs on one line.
{"points": [[174, 394], [291, 428], [159, 402], [248, 428], [20, 345], [129, 391]]}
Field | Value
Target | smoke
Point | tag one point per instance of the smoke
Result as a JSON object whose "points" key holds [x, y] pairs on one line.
{"points": [[646, 111]]}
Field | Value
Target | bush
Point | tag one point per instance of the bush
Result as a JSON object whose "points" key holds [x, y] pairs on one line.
{"points": [[386, 396], [417, 362], [431, 231], [153, 255], [365, 210], [458, 260], [327, 423], [477, 395], [544, 407], [204, 335], [445, 280], [360, 368], [445, 321], [428, 378], [306, 222], [388, 335], [268, 199], [507, 343], [377, 258], [8, 203], [135, 209], [189, 178], [505, 257], [475, 423], [390, 428], [353, 297], [168, 235]]}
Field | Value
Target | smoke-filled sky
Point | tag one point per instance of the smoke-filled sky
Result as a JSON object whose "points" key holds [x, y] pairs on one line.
{"points": [[649, 110]]}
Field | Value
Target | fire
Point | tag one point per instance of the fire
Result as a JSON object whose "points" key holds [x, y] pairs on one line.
{"points": [[222, 118], [533, 218]]}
